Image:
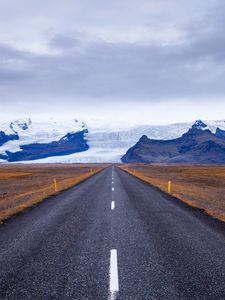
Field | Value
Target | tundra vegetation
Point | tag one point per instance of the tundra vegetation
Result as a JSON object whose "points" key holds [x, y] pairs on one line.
{"points": [[22, 186], [201, 186]]}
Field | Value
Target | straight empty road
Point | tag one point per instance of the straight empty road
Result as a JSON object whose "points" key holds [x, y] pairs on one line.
{"points": [[112, 237]]}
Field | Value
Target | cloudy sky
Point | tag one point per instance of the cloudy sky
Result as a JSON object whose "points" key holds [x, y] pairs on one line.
{"points": [[153, 61]]}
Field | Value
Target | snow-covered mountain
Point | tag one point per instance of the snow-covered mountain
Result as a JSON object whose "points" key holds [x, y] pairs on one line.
{"points": [[193, 147], [95, 141], [29, 140]]}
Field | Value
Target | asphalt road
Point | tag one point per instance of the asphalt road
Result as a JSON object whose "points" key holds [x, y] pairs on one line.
{"points": [[112, 239]]}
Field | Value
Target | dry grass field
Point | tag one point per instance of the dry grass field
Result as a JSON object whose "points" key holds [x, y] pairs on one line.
{"points": [[22, 186], [199, 186]]}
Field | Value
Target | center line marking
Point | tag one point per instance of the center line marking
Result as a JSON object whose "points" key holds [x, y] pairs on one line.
{"points": [[112, 205], [112, 181], [113, 275], [113, 189]]}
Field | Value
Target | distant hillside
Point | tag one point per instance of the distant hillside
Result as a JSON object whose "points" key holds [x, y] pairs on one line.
{"points": [[195, 146]]}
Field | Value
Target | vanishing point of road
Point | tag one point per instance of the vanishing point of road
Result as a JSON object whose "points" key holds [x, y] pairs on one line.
{"points": [[112, 237]]}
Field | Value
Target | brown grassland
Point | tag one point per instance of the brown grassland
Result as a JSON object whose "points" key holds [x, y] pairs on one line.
{"points": [[199, 186], [22, 186]]}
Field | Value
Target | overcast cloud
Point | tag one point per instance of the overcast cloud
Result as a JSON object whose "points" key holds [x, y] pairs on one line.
{"points": [[113, 58]]}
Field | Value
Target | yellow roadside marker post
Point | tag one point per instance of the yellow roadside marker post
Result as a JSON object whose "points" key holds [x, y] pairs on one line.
{"points": [[55, 185], [91, 171], [169, 186]]}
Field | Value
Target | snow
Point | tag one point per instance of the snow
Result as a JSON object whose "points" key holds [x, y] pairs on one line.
{"points": [[92, 155], [108, 142], [38, 132]]}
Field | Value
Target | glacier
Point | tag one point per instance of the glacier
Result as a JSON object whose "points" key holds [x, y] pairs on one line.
{"points": [[107, 141]]}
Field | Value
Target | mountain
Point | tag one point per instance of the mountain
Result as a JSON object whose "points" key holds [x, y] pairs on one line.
{"points": [[199, 125], [109, 141], [40, 141], [70, 143], [4, 138], [24, 140], [220, 133], [195, 146]]}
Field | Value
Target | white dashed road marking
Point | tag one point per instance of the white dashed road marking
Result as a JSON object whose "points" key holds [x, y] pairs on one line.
{"points": [[112, 205], [113, 275], [113, 189]]}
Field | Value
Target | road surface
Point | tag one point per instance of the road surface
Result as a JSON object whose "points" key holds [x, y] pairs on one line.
{"points": [[112, 237]]}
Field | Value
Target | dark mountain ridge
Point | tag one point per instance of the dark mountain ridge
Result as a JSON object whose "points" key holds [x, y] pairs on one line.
{"points": [[195, 146], [4, 138], [71, 143]]}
